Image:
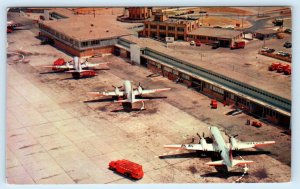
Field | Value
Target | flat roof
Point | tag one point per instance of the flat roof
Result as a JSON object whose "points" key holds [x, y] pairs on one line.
{"points": [[88, 27], [222, 63], [266, 31], [67, 12], [215, 32], [177, 21]]}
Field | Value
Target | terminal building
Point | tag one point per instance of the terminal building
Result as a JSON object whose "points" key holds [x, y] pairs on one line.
{"points": [[188, 29], [94, 36], [83, 35], [209, 35], [162, 27], [248, 97]]}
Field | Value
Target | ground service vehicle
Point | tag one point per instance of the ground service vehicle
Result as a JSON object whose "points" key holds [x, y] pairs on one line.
{"points": [[281, 68], [238, 45], [214, 104], [256, 124], [198, 43], [274, 66], [192, 43], [127, 168], [287, 71], [59, 62]]}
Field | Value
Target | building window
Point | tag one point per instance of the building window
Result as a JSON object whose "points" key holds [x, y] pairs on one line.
{"points": [[162, 27], [167, 69], [216, 89], [171, 28], [153, 27], [175, 72], [95, 42], [84, 44], [187, 77], [180, 29]]}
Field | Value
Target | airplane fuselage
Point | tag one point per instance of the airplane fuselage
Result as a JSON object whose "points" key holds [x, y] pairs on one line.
{"points": [[221, 145], [128, 91]]}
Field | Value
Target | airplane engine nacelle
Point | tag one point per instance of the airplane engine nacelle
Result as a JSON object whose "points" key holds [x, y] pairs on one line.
{"points": [[203, 144], [233, 143], [140, 90], [117, 91]]}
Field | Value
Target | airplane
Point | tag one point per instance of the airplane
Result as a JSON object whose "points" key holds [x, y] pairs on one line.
{"points": [[129, 93], [221, 147], [70, 65]]}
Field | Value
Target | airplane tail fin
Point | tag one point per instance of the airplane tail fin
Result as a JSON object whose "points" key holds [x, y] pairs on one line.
{"points": [[216, 163], [234, 163], [140, 100], [241, 162]]}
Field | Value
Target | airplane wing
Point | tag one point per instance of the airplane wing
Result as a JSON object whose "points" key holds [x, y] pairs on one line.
{"points": [[149, 91], [245, 145], [103, 65], [112, 93], [58, 67], [198, 147]]}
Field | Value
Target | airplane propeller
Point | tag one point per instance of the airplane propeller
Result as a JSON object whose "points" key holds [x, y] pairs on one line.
{"points": [[117, 87], [141, 85]]}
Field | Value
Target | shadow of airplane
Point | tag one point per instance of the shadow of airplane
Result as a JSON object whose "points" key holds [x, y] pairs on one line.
{"points": [[52, 72], [186, 155], [151, 97], [127, 110], [99, 100], [225, 175]]}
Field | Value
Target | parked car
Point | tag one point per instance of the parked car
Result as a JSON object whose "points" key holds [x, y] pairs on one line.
{"points": [[268, 50], [288, 30], [281, 53], [287, 44]]}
